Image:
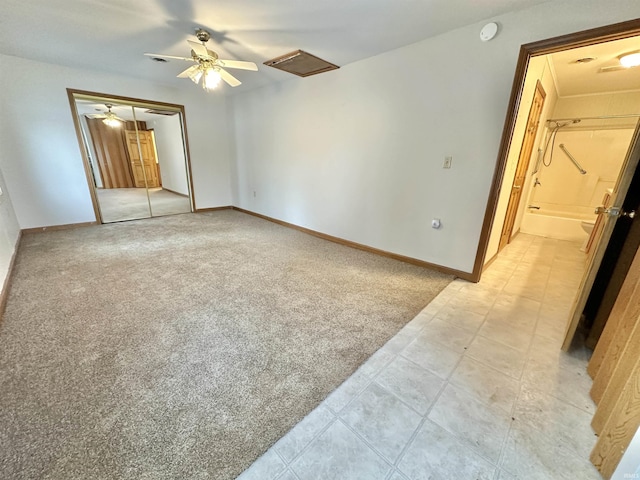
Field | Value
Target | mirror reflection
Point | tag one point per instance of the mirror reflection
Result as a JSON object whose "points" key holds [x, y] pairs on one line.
{"points": [[137, 159]]}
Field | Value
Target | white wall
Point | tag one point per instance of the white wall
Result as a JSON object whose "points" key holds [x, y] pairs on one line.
{"points": [[629, 466], [40, 157], [357, 152], [169, 147], [9, 227], [600, 152], [538, 70], [9, 231]]}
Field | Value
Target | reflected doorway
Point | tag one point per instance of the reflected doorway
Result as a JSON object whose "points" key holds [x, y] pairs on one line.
{"points": [[135, 154]]}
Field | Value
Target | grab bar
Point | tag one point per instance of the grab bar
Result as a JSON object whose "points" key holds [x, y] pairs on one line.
{"points": [[575, 162]]}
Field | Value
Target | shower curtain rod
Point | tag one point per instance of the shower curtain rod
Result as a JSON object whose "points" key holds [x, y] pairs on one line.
{"points": [[602, 117]]}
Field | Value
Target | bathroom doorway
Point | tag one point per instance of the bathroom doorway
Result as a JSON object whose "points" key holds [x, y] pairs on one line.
{"points": [[602, 112], [136, 157]]}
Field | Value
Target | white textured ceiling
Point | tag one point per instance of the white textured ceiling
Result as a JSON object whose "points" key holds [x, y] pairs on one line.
{"points": [[124, 111], [583, 78], [113, 35]]}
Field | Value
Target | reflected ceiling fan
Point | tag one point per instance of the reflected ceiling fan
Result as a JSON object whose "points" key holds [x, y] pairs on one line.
{"points": [[208, 67], [109, 118]]}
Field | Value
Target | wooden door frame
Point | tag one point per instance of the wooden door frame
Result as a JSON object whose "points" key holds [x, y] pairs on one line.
{"points": [[584, 38], [134, 102], [522, 163]]}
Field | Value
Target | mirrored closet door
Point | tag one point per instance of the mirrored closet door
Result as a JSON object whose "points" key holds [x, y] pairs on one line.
{"points": [[135, 155]]}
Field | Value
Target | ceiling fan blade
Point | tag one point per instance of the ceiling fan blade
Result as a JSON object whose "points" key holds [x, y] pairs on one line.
{"points": [[188, 71], [169, 56], [96, 115], [230, 79], [200, 49], [238, 64]]}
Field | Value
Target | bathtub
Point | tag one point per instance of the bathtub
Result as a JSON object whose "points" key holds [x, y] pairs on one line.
{"points": [[556, 224]]}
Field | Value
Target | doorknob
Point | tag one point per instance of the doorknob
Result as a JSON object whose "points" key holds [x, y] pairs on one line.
{"points": [[615, 212]]}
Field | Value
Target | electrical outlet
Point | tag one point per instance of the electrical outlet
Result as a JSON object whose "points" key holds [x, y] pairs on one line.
{"points": [[447, 162]]}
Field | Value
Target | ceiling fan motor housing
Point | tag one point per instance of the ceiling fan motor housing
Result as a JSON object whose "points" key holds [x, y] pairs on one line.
{"points": [[202, 35]]}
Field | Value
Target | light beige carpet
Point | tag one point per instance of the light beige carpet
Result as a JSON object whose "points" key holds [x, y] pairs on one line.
{"points": [[183, 346]]}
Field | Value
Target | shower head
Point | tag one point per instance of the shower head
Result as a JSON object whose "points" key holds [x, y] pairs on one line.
{"points": [[564, 124]]}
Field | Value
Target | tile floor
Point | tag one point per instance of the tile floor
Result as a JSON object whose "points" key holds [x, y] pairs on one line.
{"points": [[475, 387]]}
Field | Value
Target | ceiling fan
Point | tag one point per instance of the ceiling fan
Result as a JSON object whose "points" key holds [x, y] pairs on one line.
{"points": [[109, 118], [208, 67]]}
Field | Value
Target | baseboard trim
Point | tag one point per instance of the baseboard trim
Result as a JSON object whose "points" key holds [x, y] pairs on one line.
{"points": [[413, 261], [58, 227], [213, 209], [489, 262], [174, 192], [6, 286]]}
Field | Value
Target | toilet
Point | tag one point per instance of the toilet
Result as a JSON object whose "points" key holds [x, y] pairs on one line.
{"points": [[587, 226]]}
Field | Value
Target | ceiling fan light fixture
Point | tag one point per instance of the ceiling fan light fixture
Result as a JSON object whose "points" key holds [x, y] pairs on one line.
{"points": [[111, 121], [110, 118], [196, 76], [630, 60], [208, 67], [211, 79]]}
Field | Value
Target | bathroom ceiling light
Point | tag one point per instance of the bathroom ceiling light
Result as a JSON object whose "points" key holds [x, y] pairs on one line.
{"points": [[630, 60]]}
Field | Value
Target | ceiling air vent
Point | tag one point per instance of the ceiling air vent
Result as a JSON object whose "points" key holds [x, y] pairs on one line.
{"points": [[301, 63], [168, 113]]}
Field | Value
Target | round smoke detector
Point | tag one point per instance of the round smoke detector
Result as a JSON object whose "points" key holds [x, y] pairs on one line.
{"points": [[488, 31]]}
